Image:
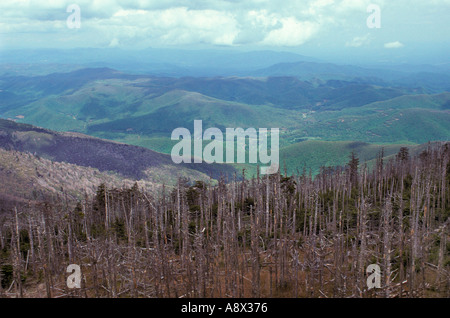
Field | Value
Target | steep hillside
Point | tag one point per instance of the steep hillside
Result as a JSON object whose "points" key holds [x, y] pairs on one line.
{"points": [[26, 178], [126, 160]]}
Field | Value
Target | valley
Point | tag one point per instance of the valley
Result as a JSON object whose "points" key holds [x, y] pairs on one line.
{"points": [[143, 110]]}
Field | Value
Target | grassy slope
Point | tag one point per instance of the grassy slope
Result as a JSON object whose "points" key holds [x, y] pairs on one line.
{"points": [[409, 119], [314, 154]]}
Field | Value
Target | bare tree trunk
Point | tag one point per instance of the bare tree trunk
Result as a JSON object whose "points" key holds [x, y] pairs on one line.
{"points": [[18, 258]]}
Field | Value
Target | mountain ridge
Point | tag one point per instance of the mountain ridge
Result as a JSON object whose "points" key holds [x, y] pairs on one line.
{"points": [[74, 148]]}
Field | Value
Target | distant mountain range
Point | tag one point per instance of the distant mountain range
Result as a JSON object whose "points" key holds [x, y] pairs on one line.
{"points": [[141, 109], [200, 63], [159, 62]]}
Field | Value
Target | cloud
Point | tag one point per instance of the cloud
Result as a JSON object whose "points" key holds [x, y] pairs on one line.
{"points": [[291, 33], [126, 23], [347, 5], [114, 43], [358, 41], [173, 22], [173, 26], [254, 25], [394, 45]]}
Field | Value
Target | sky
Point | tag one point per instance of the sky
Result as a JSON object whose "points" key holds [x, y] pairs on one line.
{"points": [[407, 29]]}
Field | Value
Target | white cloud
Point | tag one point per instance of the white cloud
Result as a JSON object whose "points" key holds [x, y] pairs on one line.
{"points": [[358, 41], [173, 26], [394, 45], [254, 26], [291, 33], [142, 23], [348, 5], [114, 43]]}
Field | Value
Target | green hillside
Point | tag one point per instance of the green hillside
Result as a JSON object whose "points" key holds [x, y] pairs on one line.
{"points": [[189, 106], [410, 119], [314, 154], [143, 110]]}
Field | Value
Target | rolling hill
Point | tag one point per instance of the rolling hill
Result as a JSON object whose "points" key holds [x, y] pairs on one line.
{"points": [[104, 102], [143, 110]]}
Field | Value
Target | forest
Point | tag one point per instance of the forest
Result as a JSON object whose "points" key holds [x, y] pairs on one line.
{"points": [[299, 236]]}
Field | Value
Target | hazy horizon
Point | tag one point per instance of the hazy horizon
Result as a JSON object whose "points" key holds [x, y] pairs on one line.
{"points": [[334, 31]]}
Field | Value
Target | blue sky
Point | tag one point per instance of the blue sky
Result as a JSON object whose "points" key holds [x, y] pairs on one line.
{"points": [[410, 30]]}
